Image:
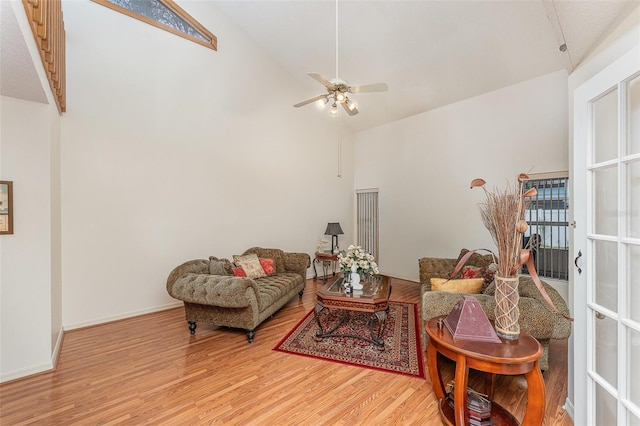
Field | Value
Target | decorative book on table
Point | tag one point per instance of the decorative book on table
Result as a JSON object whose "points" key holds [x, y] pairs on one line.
{"points": [[478, 406]]}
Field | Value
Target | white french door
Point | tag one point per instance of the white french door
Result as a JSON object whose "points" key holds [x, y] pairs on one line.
{"points": [[606, 246]]}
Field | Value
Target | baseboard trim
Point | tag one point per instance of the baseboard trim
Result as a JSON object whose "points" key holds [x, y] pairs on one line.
{"points": [[37, 369], [122, 316], [400, 277], [22, 373], [55, 353], [568, 407], [57, 348]]}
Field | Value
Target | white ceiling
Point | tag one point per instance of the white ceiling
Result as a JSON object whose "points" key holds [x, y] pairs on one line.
{"points": [[18, 76], [430, 53]]}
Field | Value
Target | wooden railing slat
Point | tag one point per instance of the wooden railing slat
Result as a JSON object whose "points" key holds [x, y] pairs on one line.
{"points": [[47, 24]]}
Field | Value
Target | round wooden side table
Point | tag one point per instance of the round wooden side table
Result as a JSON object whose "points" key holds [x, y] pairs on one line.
{"points": [[510, 357], [327, 259]]}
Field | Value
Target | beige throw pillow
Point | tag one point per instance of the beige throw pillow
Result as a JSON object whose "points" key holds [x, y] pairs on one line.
{"points": [[250, 264], [467, 285]]}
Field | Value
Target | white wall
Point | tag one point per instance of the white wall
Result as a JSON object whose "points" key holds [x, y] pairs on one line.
{"points": [[30, 277], [26, 286], [172, 151], [423, 166]]}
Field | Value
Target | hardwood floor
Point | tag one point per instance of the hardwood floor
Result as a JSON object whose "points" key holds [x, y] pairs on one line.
{"points": [[150, 370]]}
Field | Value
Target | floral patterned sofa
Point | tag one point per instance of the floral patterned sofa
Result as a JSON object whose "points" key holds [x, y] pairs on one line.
{"points": [[212, 294], [536, 317]]}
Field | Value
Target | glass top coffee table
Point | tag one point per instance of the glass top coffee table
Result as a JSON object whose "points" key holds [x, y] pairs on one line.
{"points": [[372, 299]]}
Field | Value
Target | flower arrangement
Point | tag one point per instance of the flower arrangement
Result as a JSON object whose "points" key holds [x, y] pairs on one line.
{"points": [[503, 216], [356, 255]]}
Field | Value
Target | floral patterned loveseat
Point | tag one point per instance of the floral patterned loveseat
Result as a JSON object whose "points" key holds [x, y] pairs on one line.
{"points": [[212, 294], [536, 317]]}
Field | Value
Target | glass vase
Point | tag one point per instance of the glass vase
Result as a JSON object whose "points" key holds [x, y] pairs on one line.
{"points": [[507, 311]]}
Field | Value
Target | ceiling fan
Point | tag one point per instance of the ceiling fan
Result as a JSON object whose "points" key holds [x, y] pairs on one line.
{"points": [[338, 89]]}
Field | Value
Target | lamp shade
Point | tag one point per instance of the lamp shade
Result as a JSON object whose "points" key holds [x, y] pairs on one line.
{"points": [[333, 228]]}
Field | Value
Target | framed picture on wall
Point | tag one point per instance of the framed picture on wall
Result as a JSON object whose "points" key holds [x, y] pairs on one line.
{"points": [[6, 207]]}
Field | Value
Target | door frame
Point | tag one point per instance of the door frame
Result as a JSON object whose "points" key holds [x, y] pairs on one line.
{"points": [[627, 65]]}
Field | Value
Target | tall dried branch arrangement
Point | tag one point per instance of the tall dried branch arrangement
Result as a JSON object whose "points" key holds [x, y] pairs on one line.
{"points": [[503, 215]]}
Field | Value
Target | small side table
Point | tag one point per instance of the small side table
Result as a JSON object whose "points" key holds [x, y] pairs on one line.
{"points": [[328, 259], [510, 357]]}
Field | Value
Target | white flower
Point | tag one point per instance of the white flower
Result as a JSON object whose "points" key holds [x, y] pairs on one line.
{"points": [[356, 255]]}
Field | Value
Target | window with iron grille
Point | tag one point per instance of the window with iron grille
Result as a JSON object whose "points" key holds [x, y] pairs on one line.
{"points": [[548, 219]]}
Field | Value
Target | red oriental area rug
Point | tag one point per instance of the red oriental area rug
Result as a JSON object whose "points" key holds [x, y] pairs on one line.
{"points": [[401, 352]]}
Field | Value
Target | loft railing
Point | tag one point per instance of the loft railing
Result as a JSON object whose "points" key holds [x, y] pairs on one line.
{"points": [[45, 18]]}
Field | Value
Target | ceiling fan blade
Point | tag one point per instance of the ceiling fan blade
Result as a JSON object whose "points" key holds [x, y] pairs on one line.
{"points": [[308, 101], [378, 87], [351, 108], [320, 79]]}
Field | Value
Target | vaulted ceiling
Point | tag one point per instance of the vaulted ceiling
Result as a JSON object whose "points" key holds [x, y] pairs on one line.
{"points": [[430, 53], [18, 75]]}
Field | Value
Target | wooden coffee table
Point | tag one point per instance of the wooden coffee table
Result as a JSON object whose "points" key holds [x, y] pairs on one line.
{"points": [[509, 357], [373, 299]]}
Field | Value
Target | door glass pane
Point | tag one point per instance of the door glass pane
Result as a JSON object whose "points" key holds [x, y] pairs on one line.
{"points": [[634, 365], [606, 276], [606, 354], [632, 277], [633, 199], [606, 201], [606, 407], [605, 133], [633, 144]]}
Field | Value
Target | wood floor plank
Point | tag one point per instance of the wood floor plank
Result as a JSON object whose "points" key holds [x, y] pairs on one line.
{"points": [[150, 370]]}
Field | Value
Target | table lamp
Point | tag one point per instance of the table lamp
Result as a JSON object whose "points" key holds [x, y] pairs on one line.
{"points": [[333, 229]]}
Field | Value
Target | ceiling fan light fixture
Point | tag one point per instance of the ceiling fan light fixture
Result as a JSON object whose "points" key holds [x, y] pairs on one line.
{"points": [[338, 89], [322, 102]]}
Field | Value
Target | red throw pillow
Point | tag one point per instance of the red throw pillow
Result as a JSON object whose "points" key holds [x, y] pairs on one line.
{"points": [[470, 272], [475, 272], [239, 272], [268, 265]]}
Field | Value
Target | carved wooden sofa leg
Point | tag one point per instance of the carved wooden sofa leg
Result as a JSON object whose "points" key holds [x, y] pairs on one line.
{"points": [[193, 325]]}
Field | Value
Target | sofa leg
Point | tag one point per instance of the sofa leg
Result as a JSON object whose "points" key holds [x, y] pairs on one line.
{"points": [[192, 327], [300, 293], [250, 334]]}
